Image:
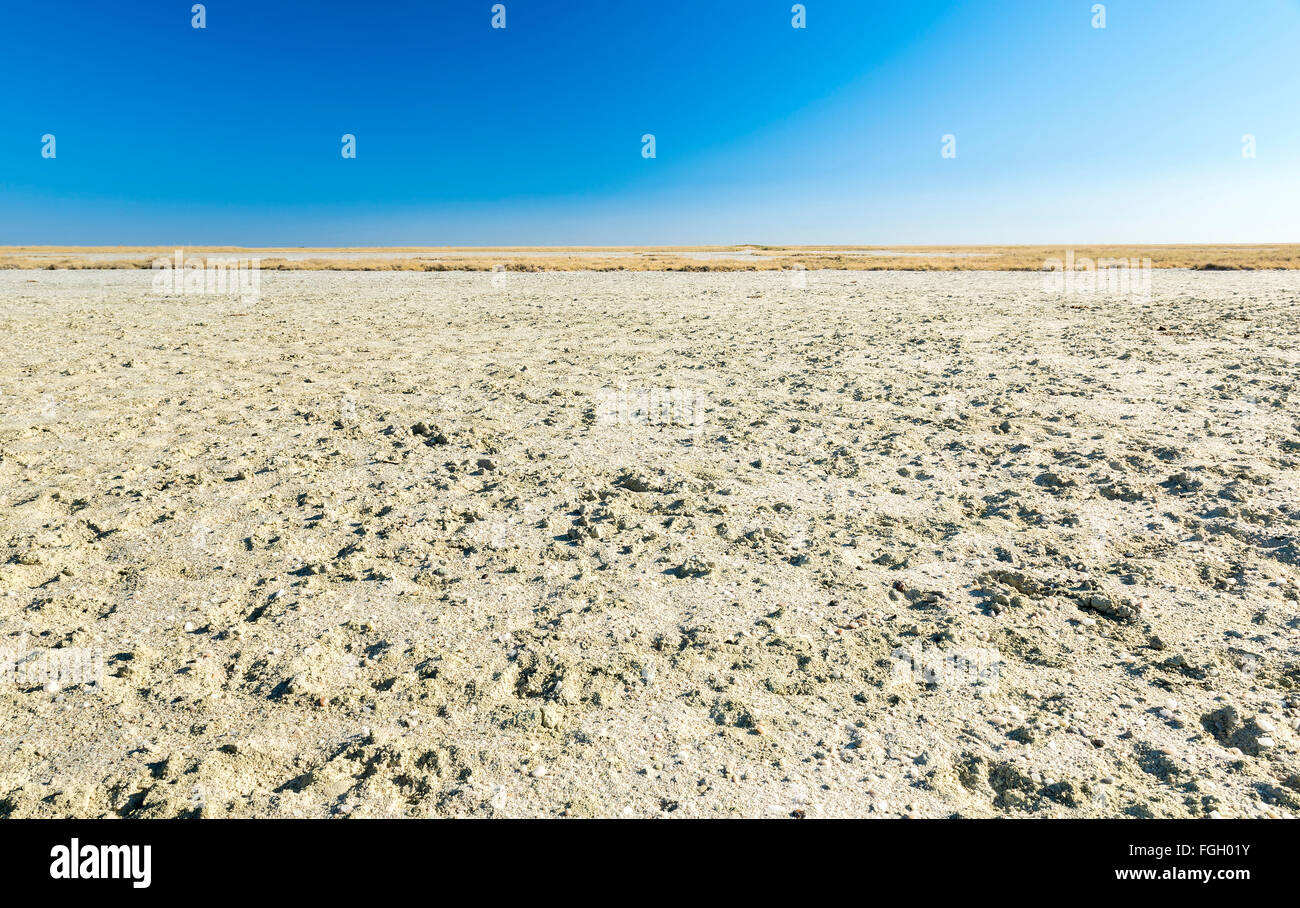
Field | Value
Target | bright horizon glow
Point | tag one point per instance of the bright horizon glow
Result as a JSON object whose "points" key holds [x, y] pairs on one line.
{"points": [[765, 134]]}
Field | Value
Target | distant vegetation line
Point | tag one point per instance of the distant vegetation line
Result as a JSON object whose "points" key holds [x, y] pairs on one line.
{"points": [[1255, 257]]}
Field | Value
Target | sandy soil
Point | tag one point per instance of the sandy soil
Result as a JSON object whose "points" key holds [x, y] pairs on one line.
{"points": [[404, 544]]}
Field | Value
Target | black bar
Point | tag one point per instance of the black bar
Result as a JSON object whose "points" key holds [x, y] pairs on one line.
{"points": [[928, 857]]}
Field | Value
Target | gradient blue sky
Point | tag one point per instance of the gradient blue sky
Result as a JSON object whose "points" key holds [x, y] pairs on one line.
{"points": [[468, 135]]}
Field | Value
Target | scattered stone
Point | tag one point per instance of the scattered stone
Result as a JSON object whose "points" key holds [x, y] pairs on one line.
{"points": [[1113, 607], [634, 482], [1230, 730], [694, 566], [552, 715]]}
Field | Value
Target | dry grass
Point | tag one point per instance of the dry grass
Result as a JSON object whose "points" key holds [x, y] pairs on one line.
{"points": [[668, 258]]}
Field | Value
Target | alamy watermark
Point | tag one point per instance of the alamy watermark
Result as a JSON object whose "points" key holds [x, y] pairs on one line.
{"points": [[1081, 274], [51, 669], [965, 667], [211, 276], [622, 406]]}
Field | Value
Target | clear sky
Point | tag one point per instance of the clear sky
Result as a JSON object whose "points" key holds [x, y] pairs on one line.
{"points": [[764, 133]]}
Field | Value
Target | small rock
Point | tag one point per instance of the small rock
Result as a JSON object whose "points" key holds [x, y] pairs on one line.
{"points": [[634, 482], [694, 566]]}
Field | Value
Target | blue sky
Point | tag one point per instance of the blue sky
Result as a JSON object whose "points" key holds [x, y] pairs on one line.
{"points": [[468, 135]]}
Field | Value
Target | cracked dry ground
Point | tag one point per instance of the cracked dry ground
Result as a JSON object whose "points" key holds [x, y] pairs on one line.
{"points": [[367, 547]]}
